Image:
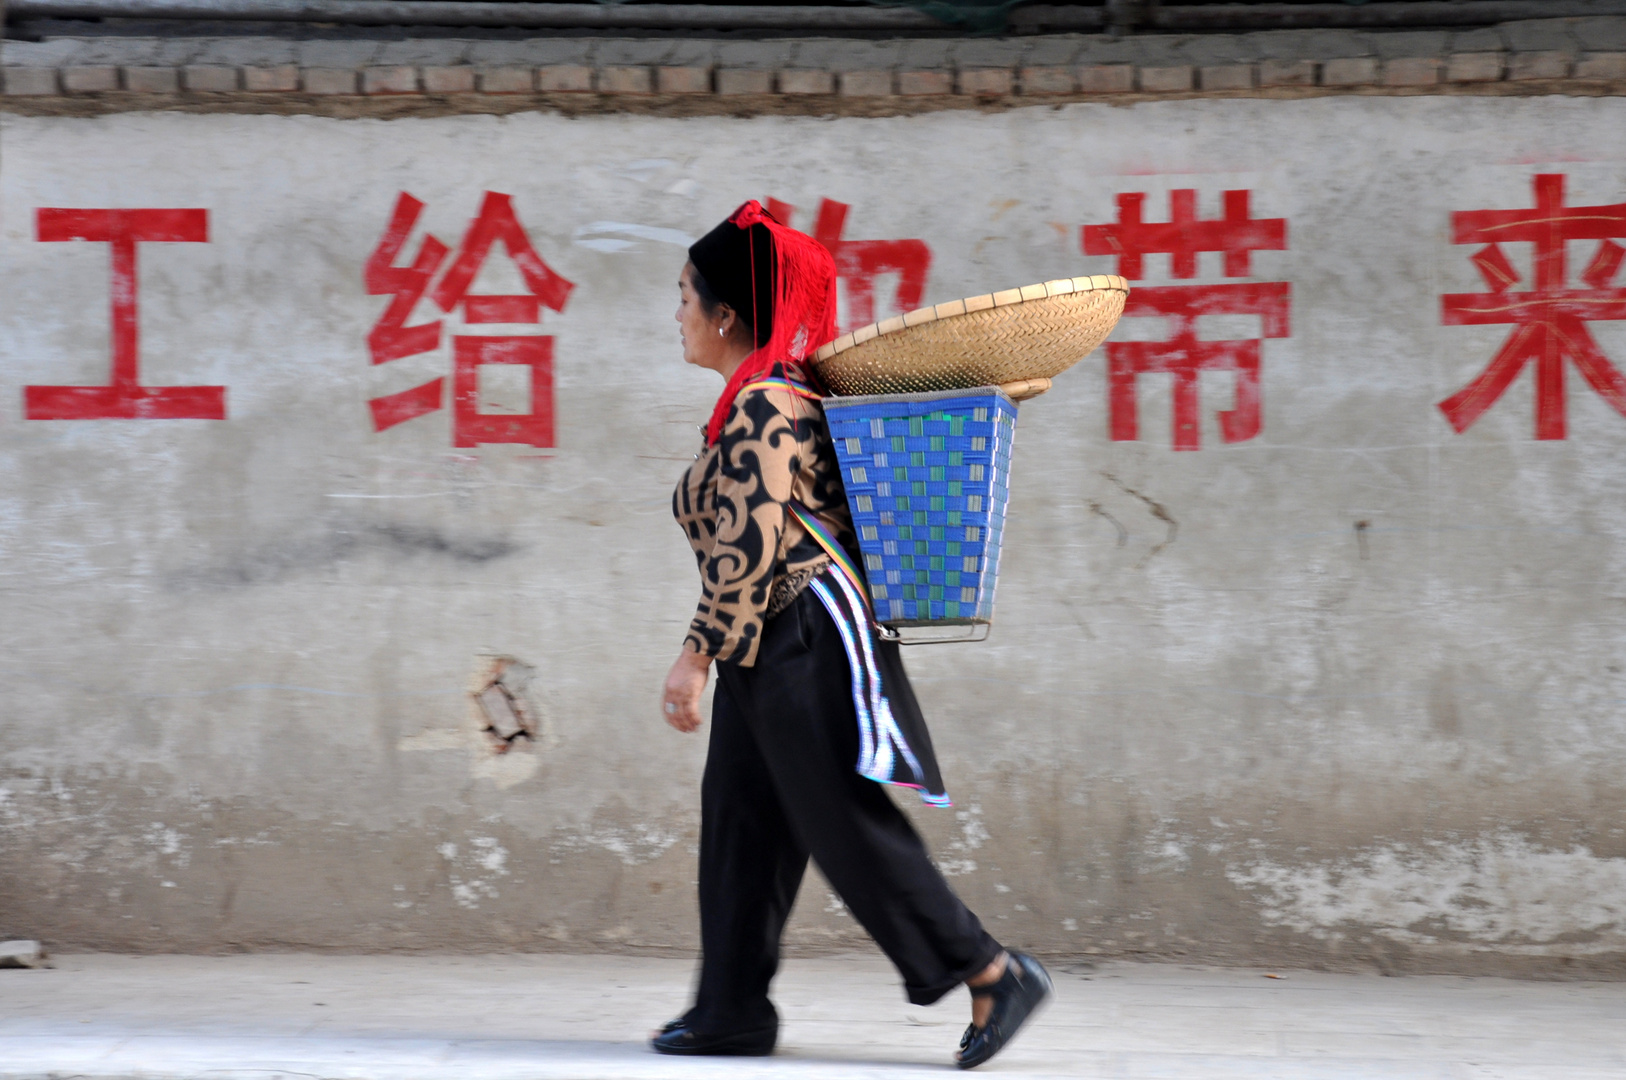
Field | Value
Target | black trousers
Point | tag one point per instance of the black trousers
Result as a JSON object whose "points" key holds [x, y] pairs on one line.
{"points": [[779, 785]]}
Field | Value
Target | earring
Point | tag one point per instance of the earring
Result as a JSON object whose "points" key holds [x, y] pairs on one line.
{"points": [[721, 332]]}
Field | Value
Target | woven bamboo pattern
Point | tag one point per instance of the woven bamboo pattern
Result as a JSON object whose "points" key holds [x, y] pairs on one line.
{"points": [[927, 479], [1029, 334]]}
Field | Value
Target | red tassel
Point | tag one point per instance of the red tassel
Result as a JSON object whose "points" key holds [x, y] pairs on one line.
{"points": [[804, 307]]}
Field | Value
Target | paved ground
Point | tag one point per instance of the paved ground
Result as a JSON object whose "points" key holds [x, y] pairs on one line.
{"points": [[584, 1018]]}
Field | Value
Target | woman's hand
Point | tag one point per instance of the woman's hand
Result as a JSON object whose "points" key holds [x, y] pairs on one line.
{"points": [[684, 685]]}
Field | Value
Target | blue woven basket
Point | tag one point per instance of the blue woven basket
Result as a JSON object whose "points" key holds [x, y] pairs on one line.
{"points": [[927, 481]]}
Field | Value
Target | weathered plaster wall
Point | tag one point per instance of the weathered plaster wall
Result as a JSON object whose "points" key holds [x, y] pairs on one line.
{"points": [[1351, 691]]}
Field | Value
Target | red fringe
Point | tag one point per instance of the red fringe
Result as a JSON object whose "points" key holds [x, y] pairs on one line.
{"points": [[804, 308]]}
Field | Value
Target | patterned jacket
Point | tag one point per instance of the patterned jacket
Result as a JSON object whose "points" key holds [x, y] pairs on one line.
{"points": [[754, 556]]}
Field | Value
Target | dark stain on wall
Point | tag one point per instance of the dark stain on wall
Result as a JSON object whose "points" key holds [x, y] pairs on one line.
{"points": [[271, 562]]}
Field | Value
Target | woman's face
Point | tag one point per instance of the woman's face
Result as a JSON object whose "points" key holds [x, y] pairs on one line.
{"points": [[703, 346]]}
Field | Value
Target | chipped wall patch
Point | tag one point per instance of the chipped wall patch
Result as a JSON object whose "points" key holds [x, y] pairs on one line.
{"points": [[1494, 894], [507, 715], [633, 845], [973, 834], [472, 872], [503, 727]]}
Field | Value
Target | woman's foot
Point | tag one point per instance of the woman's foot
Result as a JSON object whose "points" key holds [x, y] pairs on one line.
{"points": [[982, 1004], [1001, 1005], [678, 1038]]}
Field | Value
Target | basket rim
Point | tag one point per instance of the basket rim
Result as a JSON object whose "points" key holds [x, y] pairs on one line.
{"points": [[955, 308], [914, 397]]}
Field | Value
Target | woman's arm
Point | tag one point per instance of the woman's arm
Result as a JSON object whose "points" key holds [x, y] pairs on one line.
{"points": [[759, 457], [684, 685]]}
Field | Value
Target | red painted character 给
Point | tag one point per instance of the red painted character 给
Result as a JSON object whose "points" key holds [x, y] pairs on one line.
{"points": [[391, 338]]}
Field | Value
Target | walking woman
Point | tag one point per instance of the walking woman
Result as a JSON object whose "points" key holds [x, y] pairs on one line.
{"points": [[812, 709]]}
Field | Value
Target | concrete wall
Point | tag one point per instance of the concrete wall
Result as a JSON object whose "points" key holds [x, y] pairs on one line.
{"points": [[1349, 691]]}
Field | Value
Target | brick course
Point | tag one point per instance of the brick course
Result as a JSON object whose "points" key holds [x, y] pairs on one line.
{"points": [[457, 79], [90, 79], [801, 81], [1164, 80], [625, 80], [864, 83], [209, 79], [987, 82], [1106, 78], [1350, 71], [920, 83], [1543, 51], [1226, 77], [1411, 71], [327, 80], [280, 78], [1048, 80], [564, 79], [744, 81], [1539, 65], [683, 80], [505, 80], [389, 80], [1610, 66], [1287, 72], [1473, 67], [21, 81], [152, 80]]}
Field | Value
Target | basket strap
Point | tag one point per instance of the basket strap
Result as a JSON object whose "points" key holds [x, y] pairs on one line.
{"points": [[838, 554], [791, 385], [815, 528]]}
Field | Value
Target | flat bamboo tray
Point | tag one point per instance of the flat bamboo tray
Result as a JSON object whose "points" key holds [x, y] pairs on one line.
{"points": [[1018, 339]]}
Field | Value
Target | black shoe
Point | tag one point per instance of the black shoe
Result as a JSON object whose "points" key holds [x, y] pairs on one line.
{"points": [[1018, 993], [678, 1038]]}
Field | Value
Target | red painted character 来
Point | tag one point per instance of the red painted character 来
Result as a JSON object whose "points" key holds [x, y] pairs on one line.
{"points": [[1549, 319], [391, 338], [124, 398], [1237, 235]]}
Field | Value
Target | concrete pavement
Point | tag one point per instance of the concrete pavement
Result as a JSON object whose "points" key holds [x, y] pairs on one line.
{"points": [[585, 1018]]}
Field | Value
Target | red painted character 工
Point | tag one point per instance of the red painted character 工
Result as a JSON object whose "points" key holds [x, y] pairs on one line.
{"points": [[124, 398]]}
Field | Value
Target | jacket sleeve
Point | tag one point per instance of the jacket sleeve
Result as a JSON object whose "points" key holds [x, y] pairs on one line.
{"points": [[759, 460]]}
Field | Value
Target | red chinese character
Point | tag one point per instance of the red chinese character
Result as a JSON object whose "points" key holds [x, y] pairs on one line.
{"points": [[125, 398], [392, 339], [860, 262], [470, 352], [1182, 238], [1550, 319]]}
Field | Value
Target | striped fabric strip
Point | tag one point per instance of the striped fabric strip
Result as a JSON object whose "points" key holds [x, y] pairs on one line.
{"points": [[791, 385], [884, 755], [815, 528]]}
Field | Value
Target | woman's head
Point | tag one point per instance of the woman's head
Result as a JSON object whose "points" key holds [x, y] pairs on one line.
{"points": [[714, 334], [762, 286], [736, 266]]}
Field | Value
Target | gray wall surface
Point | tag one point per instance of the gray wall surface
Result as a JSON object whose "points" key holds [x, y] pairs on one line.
{"points": [[1349, 691]]}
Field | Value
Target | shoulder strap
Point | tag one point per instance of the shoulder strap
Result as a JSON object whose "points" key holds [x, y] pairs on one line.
{"points": [[815, 528], [838, 554], [782, 383]]}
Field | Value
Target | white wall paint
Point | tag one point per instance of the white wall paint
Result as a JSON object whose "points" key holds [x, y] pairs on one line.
{"points": [[237, 654]]}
